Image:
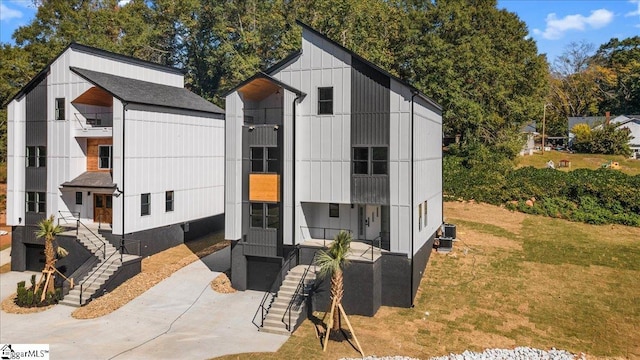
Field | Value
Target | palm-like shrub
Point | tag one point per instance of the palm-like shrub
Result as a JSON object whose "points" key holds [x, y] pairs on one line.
{"points": [[331, 263]]}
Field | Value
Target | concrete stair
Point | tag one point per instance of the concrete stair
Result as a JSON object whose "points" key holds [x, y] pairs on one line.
{"points": [[108, 264], [287, 298]]}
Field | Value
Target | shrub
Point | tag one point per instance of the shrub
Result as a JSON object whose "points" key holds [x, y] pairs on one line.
{"points": [[26, 297]]}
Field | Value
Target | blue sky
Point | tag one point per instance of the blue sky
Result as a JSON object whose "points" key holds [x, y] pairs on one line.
{"points": [[552, 23]]}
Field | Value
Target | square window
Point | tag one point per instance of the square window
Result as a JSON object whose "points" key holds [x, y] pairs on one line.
{"points": [[60, 114], [145, 204], [334, 210], [168, 201], [325, 100], [37, 202], [104, 156], [78, 198]]}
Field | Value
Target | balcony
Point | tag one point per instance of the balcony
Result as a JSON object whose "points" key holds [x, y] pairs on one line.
{"points": [[97, 125]]}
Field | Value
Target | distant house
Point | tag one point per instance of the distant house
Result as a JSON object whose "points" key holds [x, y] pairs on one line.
{"points": [[592, 121], [631, 122], [530, 133]]}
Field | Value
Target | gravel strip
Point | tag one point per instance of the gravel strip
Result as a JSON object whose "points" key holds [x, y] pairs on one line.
{"points": [[519, 353]]}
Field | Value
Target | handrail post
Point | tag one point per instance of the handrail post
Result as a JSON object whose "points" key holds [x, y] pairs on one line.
{"points": [[77, 227]]}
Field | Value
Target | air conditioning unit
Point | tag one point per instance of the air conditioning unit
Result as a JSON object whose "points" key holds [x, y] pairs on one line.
{"points": [[449, 231]]}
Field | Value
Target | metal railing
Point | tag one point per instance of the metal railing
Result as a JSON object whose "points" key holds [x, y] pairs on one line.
{"points": [[290, 262], [371, 248], [69, 217], [103, 119], [84, 284], [320, 233], [100, 243], [299, 295]]}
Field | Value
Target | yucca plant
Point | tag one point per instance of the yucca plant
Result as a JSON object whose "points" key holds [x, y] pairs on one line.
{"points": [[331, 263]]}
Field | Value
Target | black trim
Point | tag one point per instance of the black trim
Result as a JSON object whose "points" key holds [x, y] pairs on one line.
{"points": [[263, 75], [376, 67]]}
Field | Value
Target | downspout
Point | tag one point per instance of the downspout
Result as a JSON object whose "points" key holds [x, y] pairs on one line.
{"points": [[293, 172], [413, 95], [124, 106]]}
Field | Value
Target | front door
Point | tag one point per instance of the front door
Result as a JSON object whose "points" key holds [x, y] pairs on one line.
{"points": [[102, 208], [369, 222]]}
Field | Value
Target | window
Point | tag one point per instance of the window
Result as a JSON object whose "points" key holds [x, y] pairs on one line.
{"points": [[168, 201], [264, 215], [325, 100], [419, 216], [36, 202], [78, 198], [60, 109], [334, 210], [264, 159], [370, 160], [36, 156], [379, 160], [104, 156], [361, 160], [424, 217], [145, 204]]}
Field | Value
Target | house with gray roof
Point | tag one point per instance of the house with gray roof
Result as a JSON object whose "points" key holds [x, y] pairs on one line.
{"points": [[119, 152]]}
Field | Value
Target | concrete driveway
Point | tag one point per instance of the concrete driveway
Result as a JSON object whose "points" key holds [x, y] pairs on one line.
{"points": [[180, 318]]}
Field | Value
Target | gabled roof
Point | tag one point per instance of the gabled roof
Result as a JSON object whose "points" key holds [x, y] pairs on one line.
{"points": [[277, 66], [147, 93], [529, 128], [414, 90], [589, 120], [262, 75], [94, 51]]}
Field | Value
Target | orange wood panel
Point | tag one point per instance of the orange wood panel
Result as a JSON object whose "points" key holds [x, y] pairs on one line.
{"points": [[264, 187], [95, 96], [92, 152]]}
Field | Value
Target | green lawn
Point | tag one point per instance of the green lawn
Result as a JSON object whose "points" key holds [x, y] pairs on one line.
{"points": [[512, 280], [579, 161]]}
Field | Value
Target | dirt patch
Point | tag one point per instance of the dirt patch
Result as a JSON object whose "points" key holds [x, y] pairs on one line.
{"points": [[154, 269], [222, 284], [9, 306], [486, 214]]}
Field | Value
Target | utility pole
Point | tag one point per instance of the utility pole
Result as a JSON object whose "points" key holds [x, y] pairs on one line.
{"points": [[544, 116]]}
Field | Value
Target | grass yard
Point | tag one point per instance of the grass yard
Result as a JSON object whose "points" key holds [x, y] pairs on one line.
{"points": [[579, 161], [512, 280]]}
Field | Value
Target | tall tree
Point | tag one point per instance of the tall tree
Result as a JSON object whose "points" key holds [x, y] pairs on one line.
{"points": [[479, 63]]}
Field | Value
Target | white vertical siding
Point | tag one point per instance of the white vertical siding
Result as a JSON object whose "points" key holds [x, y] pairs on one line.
{"points": [[323, 142], [287, 173], [16, 148], [172, 152], [116, 173], [233, 167]]}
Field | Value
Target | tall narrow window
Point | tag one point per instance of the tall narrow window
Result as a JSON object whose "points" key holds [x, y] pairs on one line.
{"points": [[78, 198], [145, 204], [36, 202], [420, 216], [360, 160], [334, 210], [60, 109], [104, 156], [325, 100], [168, 201], [256, 212], [257, 159], [273, 165], [273, 216], [379, 160], [424, 217]]}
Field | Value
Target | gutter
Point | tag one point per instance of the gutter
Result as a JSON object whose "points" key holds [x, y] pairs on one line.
{"points": [[413, 95], [124, 109], [293, 171]]}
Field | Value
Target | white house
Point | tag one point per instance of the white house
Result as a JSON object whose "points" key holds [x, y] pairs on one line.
{"points": [[631, 122], [327, 141]]}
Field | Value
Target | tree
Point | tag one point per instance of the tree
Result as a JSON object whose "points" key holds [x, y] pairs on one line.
{"points": [[48, 229], [604, 139], [478, 62], [331, 263]]}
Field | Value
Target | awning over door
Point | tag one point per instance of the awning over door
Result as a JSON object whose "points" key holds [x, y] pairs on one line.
{"points": [[91, 179]]}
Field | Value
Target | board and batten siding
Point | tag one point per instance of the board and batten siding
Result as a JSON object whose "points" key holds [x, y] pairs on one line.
{"points": [[233, 166], [323, 142]]}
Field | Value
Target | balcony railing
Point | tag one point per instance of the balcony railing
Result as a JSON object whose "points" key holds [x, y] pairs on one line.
{"points": [[94, 120]]}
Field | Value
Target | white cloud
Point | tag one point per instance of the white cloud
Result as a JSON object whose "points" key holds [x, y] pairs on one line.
{"points": [[7, 13], [636, 12], [557, 27]]}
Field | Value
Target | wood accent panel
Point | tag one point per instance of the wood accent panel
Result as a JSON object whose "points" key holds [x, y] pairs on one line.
{"points": [[264, 187], [258, 89], [94, 96], [92, 153]]}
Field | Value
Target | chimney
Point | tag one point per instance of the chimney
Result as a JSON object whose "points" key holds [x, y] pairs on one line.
{"points": [[608, 116]]}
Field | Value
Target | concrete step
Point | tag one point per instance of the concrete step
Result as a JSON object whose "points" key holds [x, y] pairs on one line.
{"points": [[274, 330], [277, 323]]}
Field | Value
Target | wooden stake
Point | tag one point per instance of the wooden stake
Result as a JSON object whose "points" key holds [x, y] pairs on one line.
{"points": [[44, 290], [344, 314], [329, 325]]}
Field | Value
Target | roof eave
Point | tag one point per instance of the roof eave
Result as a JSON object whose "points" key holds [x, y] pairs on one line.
{"points": [[263, 75]]}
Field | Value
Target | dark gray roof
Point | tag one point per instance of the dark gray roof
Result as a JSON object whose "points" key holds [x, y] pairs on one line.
{"points": [[592, 121], [148, 93], [529, 128], [92, 179]]}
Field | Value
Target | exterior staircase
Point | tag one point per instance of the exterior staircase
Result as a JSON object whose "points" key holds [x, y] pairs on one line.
{"points": [[108, 264], [291, 299]]}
